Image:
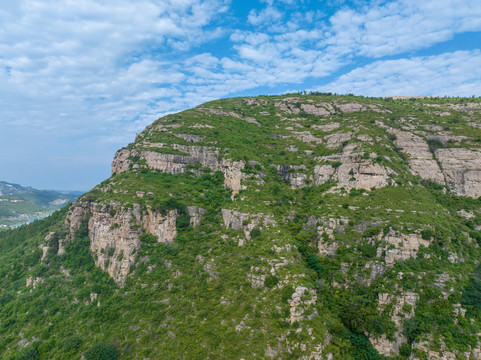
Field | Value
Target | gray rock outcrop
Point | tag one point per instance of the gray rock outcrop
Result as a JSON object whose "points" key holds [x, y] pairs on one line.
{"points": [[462, 168], [420, 158], [177, 164]]}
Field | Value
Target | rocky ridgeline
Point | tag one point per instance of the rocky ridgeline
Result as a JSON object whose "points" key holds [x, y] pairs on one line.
{"points": [[458, 168]]}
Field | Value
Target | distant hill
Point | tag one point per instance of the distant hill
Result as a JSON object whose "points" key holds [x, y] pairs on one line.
{"points": [[19, 205]]}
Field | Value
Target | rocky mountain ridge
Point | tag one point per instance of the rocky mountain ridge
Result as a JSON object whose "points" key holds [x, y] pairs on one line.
{"points": [[298, 226]]}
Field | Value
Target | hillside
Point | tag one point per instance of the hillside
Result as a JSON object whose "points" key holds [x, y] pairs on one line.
{"points": [[276, 227], [19, 205]]}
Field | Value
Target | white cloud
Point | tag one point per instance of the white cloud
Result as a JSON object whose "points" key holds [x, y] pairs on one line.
{"points": [[439, 75], [264, 17], [401, 26]]}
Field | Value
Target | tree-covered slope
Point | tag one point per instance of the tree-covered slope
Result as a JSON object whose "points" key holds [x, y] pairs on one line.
{"points": [[19, 204], [277, 227]]}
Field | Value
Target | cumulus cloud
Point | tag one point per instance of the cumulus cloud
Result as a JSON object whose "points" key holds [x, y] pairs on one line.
{"points": [[443, 74], [401, 26], [265, 16]]}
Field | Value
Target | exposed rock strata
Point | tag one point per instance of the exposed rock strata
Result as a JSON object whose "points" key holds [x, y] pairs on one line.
{"points": [[114, 232], [462, 168], [337, 139], [404, 247], [177, 164], [300, 300], [114, 237], [245, 222], [196, 215], [355, 171], [420, 160], [290, 173]]}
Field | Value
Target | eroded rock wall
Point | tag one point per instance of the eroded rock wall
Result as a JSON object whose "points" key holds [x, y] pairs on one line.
{"points": [[114, 232]]}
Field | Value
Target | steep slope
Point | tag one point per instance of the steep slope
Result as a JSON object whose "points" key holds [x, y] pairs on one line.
{"points": [[281, 227], [19, 204]]}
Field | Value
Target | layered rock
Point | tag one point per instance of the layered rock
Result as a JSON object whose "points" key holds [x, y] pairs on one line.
{"points": [[337, 139], [196, 215], [121, 162], [402, 247], [462, 168], [245, 222], [291, 173], [77, 214], [355, 171], [321, 110], [114, 232], [177, 164], [114, 235], [420, 159]]}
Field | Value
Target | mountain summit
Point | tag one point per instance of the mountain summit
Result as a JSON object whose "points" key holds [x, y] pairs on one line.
{"points": [[277, 227]]}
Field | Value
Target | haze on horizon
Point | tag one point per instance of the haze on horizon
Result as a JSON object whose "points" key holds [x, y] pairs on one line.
{"points": [[79, 79]]}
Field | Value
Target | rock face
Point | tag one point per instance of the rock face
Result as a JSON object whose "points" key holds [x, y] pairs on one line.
{"points": [[420, 159], [177, 164], [337, 139], [291, 173], [462, 168], [196, 214], [114, 233], [162, 226], [356, 170], [77, 214], [33, 281], [121, 161], [246, 222], [405, 247]]}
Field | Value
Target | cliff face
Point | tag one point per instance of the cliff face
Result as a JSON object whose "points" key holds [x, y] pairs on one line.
{"points": [[300, 226]]}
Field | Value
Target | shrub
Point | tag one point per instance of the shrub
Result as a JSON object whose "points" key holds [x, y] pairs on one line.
{"points": [[287, 292], [271, 281], [427, 234], [411, 329], [472, 292], [405, 350], [368, 250], [29, 353], [372, 232], [255, 233], [434, 144], [148, 238], [183, 221], [71, 343], [101, 352]]}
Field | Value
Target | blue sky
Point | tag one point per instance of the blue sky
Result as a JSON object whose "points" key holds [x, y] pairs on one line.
{"points": [[79, 78]]}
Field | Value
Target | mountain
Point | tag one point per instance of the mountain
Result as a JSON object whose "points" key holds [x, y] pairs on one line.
{"points": [[20, 205], [305, 226]]}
